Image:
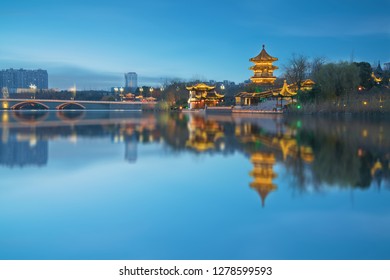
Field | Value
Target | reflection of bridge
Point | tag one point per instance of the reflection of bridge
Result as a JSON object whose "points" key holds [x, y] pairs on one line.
{"points": [[25, 134], [48, 104], [60, 118]]}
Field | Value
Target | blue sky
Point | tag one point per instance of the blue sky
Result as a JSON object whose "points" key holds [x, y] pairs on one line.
{"points": [[92, 43]]}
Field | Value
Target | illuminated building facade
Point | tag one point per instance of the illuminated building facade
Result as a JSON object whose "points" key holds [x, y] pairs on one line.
{"points": [[202, 96], [263, 76], [263, 69]]}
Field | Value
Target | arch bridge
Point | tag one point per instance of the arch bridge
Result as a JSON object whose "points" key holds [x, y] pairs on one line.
{"points": [[47, 104]]}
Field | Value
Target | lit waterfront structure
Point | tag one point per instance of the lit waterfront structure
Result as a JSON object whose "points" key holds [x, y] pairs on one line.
{"points": [[263, 69], [15, 79], [285, 92], [263, 76], [131, 81], [202, 96]]}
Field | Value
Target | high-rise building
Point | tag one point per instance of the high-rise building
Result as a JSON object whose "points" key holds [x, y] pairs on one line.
{"points": [[131, 80], [22, 78]]}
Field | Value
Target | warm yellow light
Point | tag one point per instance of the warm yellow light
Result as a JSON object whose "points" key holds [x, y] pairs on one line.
{"points": [[5, 117], [364, 102], [5, 105]]}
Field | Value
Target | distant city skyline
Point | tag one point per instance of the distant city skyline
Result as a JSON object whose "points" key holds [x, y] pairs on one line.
{"points": [[90, 43], [12, 79]]}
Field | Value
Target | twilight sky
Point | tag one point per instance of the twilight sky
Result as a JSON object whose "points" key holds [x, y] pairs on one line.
{"points": [[93, 42]]}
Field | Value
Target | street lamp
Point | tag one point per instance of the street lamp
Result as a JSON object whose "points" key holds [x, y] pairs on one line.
{"points": [[141, 90], [151, 90], [33, 89], [116, 91], [121, 93], [73, 90]]}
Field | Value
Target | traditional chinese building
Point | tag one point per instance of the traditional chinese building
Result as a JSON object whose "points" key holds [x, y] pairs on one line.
{"points": [[263, 76], [202, 96], [263, 69]]}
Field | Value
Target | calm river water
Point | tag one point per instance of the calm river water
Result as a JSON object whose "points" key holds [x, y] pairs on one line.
{"points": [[131, 185]]}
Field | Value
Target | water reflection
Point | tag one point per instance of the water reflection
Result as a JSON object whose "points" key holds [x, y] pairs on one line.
{"points": [[21, 150], [121, 185], [317, 153]]}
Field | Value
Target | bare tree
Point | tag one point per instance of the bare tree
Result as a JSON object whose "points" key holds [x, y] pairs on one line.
{"points": [[315, 66], [297, 69]]}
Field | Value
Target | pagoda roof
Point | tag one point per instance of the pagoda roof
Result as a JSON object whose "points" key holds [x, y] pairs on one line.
{"points": [[200, 86], [376, 79], [286, 91], [263, 190], [308, 82], [261, 67], [263, 56]]}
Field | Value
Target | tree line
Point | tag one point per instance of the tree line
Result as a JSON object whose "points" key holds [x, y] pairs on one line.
{"points": [[339, 86]]}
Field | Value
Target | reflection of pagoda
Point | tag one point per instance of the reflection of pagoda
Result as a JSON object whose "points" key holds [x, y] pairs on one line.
{"points": [[263, 174], [204, 135], [202, 95]]}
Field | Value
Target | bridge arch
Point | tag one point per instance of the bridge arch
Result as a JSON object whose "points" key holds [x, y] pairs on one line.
{"points": [[28, 117], [30, 105], [70, 115], [70, 106]]}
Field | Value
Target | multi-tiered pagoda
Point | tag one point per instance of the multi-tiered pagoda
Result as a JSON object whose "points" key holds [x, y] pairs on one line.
{"points": [[263, 69], [263, 77]]}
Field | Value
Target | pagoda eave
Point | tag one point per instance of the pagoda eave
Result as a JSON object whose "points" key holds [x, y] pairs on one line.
{"points": [[255, 59], [263, 80], [200, 87], [260, 67]]}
